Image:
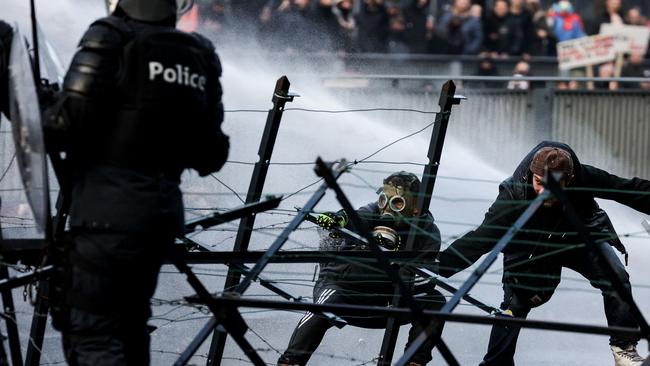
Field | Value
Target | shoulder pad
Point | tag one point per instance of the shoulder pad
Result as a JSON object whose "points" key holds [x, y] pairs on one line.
{"points": [[107, 33]]}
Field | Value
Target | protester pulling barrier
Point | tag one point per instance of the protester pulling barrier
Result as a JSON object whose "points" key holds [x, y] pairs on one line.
{"points": [[420, 271], [403, 290], [330, 178]]}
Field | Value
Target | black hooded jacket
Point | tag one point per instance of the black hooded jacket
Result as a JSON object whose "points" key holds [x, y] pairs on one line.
{"points": [[548, 230], [367, 276], [6, 35]]}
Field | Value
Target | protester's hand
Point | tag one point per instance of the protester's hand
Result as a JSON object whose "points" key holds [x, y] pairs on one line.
{"points": [[331, 220]]}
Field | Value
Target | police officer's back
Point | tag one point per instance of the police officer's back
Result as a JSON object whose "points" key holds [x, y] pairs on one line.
{"points": [[142, 102]]}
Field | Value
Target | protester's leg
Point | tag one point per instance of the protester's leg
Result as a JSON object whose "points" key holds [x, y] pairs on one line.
{"points": [[113, 278], [617, 311], [429, 299], [503, 338], [310, 329]]}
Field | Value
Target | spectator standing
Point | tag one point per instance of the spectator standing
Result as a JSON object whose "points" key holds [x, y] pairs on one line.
{"points": [[347, 26], [543, 41], [416, 15], [296, 26], [566, 23], [397, 39], [636, 69], [460, 32], [520, 29], [326, 28], [496, 29], [212, 17], [635, 17], [613, 14], [372, 22]]}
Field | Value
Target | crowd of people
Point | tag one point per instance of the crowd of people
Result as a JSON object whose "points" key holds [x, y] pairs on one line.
{"points": [[500, 28]]}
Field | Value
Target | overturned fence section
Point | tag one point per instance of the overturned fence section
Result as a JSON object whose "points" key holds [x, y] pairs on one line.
{"points": [[608, 129]]}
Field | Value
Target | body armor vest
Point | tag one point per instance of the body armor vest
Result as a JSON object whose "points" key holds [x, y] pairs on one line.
{"points": [[166, 108]]}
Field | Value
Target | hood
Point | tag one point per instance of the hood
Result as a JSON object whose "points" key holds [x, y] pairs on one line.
{"points": [[520, 179]]}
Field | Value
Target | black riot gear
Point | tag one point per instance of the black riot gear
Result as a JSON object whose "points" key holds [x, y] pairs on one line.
{"points": [[142, 105], [154, 10], [142, 102]]}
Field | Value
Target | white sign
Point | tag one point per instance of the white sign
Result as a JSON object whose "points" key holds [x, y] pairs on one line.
{"points": [[586, 51], [629, 38]]}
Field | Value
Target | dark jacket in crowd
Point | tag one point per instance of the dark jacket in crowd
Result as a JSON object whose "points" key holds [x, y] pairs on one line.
{"points": [[545, 44], [369, 277], [513, 33], [497, 33], [372, 24], [548, 229], [6, 35], [297, 27], [460, 35], [520, 31], [415, 20], [634, 71]]}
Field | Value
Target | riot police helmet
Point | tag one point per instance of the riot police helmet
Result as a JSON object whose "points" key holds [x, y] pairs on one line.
{"points": [[154, 10]]}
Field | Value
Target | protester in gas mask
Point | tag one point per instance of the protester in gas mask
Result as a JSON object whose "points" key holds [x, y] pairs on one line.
{"points": [[141, 102], [390, 219], [6, 35], [533, 260]]}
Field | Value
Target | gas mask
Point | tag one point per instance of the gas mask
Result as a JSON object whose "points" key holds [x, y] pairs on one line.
{"points": [[395, 203]]}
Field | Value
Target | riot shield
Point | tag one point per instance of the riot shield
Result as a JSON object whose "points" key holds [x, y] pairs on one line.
{"points": [[51, 67], [27, 130]]}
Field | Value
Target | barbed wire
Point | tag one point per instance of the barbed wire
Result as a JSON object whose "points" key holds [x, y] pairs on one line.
{"points": [[330, 111], [198, 312]]}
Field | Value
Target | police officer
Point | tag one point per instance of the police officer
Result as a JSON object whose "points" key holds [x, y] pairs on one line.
{"points": [[141, 102], [346, 283]]}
